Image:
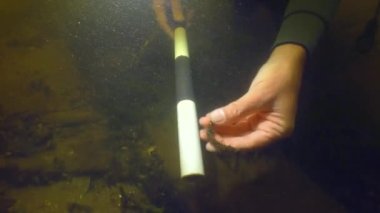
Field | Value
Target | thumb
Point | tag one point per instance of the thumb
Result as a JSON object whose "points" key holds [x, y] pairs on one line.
{"points": [[236, 110]]}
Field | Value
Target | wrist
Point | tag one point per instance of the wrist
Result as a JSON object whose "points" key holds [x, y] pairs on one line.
{"points": [[288, 54]]}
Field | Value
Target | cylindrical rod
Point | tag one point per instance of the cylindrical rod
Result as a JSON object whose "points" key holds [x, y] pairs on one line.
{"points": [[188, 134]]}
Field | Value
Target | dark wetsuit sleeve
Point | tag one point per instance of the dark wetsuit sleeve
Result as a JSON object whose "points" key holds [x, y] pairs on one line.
{"points": [[304, 22]]}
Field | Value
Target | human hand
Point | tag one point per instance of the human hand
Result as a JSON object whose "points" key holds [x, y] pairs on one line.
{"points": [[178, 15], [266, 112]]}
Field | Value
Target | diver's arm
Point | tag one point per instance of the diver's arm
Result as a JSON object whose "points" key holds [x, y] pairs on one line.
{"points": [[305, 21], [159, 10], [266, 112]]}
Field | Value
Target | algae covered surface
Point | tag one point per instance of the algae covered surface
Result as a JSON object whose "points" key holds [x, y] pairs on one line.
{"points": [[79, 87]]}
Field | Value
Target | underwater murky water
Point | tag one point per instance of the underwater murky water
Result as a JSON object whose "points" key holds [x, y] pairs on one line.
{"points": [[80, 92], [87, 111]]}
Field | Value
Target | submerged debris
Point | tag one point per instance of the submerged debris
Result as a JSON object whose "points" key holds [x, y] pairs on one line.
{"points": [[23, 134], [6, 203], [211, 138], [78, 208]]}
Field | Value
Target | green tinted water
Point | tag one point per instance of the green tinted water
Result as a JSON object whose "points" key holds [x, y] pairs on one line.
{"points": [[77, 101], [87, 108]]}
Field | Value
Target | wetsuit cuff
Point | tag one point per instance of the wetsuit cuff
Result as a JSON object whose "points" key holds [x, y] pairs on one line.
{"points": [[300, 28]]}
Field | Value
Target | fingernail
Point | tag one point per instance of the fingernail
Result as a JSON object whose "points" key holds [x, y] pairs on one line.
{"points": [[217, 116], [210, 147]]}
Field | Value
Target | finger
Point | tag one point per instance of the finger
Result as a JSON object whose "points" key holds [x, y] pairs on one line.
{"points": [[211, 148], [203, 134], [234, 129], [243, 126], [247, 104], [204, 121], [254, 140]]}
